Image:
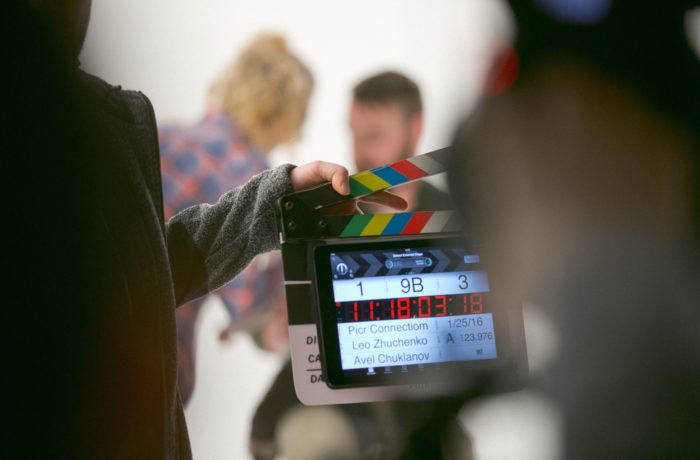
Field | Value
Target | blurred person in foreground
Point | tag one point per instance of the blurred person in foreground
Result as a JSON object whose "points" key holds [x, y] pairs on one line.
{"points": [[97, 272], [386, 121], [259, 103], [583, 184]]}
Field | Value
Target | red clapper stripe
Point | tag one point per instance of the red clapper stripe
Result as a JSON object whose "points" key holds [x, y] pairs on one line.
{"points": [[408, 169], [417, 222]]}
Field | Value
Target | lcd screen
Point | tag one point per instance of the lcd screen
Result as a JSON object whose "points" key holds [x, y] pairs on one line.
{"points": [[403, 311]]}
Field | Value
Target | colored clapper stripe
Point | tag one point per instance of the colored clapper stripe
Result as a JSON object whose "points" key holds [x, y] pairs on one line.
{"points": [[382, 177], [371, 181], [376, 225], [406, 223], [397, 223], [427, 164], [357, 189], [356, 225], [409, 170], [390, 175], [417, 222]]}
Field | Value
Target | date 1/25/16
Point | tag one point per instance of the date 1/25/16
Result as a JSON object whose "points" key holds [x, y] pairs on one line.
{"points": [[411, 307]]}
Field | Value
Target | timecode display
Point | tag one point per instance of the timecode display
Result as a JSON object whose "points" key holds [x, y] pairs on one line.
{"points": [[414, 307]]}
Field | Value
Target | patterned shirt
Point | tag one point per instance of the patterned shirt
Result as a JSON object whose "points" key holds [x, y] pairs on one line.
{"points": [[200, 163]]}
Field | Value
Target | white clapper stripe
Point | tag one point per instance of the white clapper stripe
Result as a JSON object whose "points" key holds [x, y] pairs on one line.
{"points": [[427, 164], [437, 222]]}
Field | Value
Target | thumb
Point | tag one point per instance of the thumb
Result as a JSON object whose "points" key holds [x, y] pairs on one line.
{"points": [[318, 172]]}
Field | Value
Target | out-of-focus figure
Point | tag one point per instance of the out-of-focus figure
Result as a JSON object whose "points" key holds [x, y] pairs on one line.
{"points": [[581, 179], [96, 271], [258, 103], [386, 121]]}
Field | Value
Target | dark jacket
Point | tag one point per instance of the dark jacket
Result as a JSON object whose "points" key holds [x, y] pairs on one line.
{"points": [[142, 268], [92, 273]]}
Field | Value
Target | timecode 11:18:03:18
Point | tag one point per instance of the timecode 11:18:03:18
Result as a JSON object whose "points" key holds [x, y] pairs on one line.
{"points": [[410, 307]]}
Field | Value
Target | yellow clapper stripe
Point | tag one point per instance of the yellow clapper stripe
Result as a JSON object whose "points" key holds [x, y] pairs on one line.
{"points": [[376, 225]]}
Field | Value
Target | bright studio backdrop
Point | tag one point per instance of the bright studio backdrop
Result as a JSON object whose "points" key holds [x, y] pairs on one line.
{"points": [[172, 51]]}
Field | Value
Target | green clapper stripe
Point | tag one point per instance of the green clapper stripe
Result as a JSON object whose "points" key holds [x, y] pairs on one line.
{"points": [[356, 225], [358, 189]]}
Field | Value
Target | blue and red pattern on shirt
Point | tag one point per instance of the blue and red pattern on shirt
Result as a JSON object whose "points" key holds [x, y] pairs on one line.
{"points": [[200, 163]]}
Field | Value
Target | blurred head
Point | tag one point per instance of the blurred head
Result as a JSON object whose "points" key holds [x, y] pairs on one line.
{"points": [[386, 120], [266, 91], [581, 180], [69, 19], [595, 142], [568, 164]]}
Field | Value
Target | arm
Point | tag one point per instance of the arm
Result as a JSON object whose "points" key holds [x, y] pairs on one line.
{"points": [[209, 244]]}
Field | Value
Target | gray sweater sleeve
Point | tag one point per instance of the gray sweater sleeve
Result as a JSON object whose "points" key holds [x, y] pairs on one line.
{"points": [[208, 244]]}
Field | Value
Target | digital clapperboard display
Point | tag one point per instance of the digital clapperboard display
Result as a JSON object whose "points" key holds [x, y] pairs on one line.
{"points": [[399, 312], [388, 305]]}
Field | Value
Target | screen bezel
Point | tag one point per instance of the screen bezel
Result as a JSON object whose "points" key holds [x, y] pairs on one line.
{"points": [[336, 377]]}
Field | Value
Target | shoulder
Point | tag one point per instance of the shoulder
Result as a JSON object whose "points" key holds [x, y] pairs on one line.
{"points": [[132, 107]]}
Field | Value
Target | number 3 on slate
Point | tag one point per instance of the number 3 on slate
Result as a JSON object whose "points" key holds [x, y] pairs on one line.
{"points": [[463, 284]]}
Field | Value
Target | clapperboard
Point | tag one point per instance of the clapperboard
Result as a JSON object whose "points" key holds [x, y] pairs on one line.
{"points": [[386, 306]]}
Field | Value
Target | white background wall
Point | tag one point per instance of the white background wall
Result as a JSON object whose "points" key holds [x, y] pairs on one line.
{"points": [[172, 50]]}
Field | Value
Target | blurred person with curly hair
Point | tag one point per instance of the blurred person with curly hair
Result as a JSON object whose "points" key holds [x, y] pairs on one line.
{"points": [[258, 103]]}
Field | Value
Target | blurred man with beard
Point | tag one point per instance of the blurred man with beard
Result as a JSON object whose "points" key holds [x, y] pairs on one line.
{"points": [[386, 122]]}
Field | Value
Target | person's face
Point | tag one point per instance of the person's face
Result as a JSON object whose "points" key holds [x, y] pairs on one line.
{"points": [[381, 134]]}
